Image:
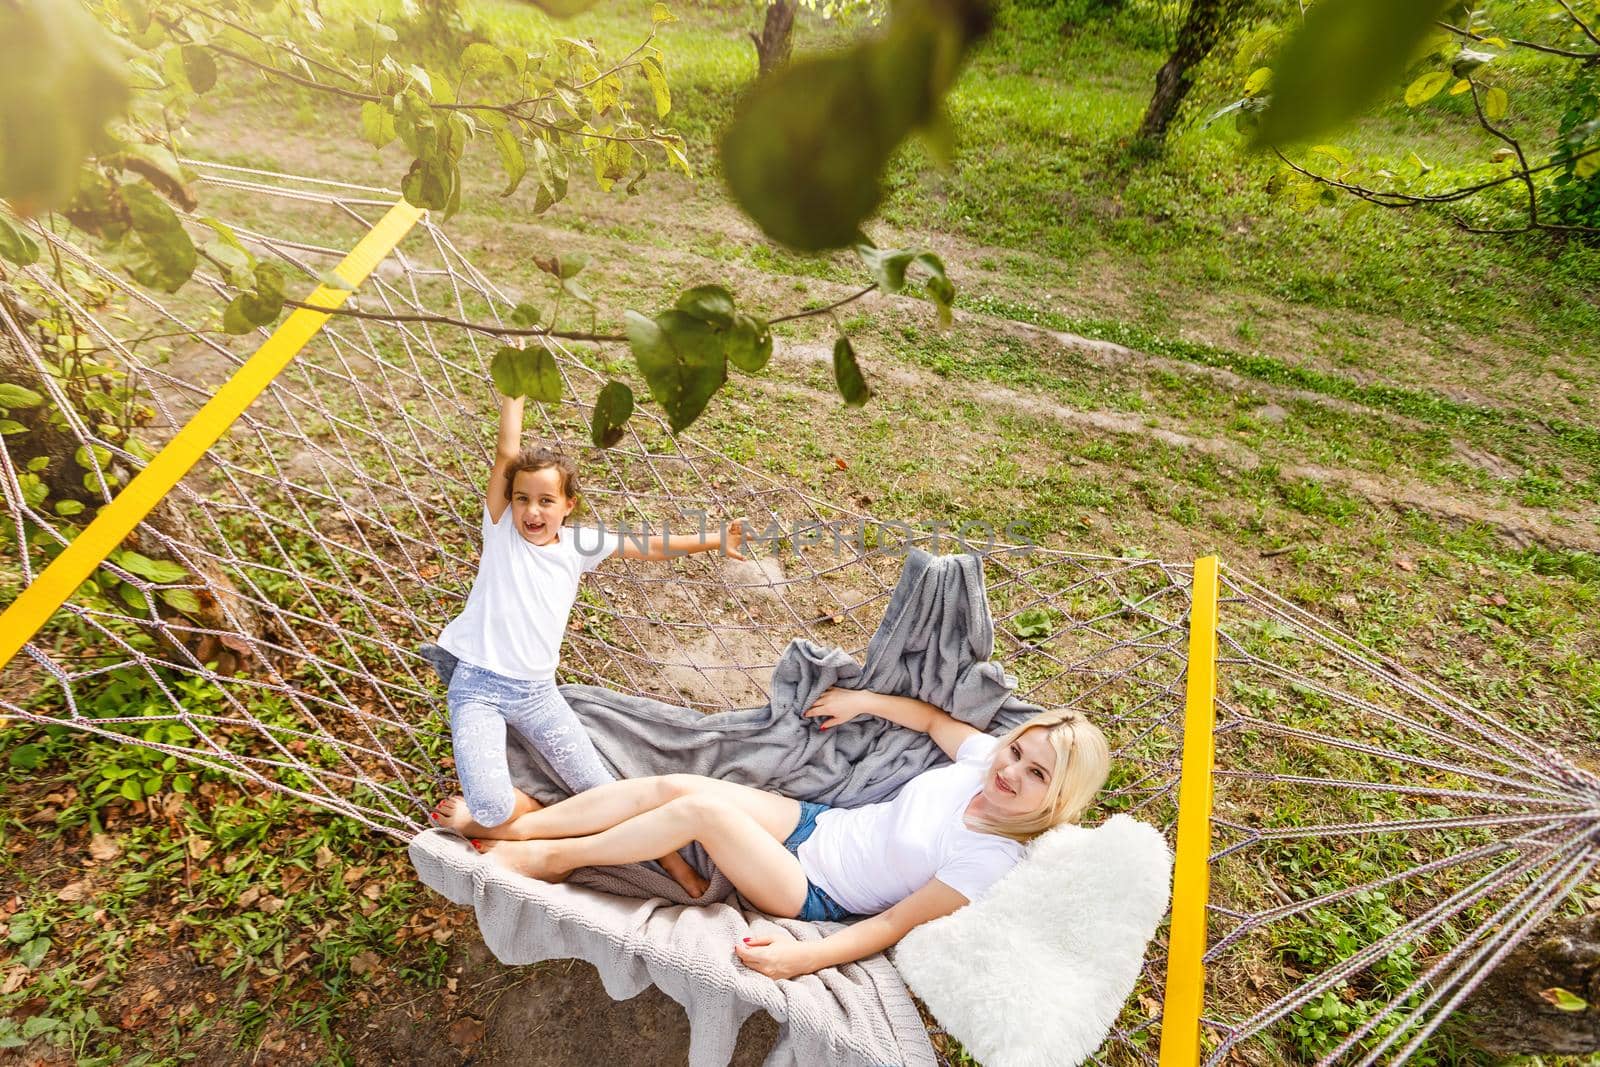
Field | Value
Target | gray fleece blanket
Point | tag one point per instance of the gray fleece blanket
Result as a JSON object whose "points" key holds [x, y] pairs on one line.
{"points": [[934, 644]]}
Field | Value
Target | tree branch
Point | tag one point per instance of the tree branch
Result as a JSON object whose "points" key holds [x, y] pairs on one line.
{"points": [[493, 330], [1582, 25], [1534, 45]]}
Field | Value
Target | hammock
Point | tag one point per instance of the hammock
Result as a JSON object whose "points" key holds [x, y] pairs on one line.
{"points": [[1377, 845]]}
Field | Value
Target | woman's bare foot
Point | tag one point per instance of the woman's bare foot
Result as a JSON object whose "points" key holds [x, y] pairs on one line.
{"points": [[686, 876], [452, 814], [528, 858]]}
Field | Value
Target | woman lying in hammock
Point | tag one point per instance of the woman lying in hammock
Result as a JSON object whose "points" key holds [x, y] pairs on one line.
{"points": [[945, 838]]}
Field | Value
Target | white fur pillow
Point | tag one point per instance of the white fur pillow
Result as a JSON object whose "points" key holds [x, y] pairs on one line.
{"points": [[1036, 972]]}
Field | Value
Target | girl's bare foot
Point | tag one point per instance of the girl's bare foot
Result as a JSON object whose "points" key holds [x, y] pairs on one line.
{"points": [[529, 858], [452, 814], [686, 876]]}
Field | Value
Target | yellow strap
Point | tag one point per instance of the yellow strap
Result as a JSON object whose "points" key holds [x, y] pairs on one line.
{"points": [[116, 520], [1191, 880]]}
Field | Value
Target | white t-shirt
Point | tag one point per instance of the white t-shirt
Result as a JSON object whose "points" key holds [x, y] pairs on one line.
{"points": [[517, 611], [869, 859]]}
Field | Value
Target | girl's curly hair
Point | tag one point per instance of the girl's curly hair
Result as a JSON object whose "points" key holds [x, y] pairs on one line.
{"points": [[537, 459]]}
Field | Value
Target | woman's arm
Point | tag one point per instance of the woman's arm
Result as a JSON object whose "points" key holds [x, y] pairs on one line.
{"points": [[507, 446], [785, 959], [730, 539], [836, 706]]}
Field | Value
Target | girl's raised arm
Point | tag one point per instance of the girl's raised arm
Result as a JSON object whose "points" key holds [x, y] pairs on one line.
{"points": [[836, 706], [785, 959], [508, 446]]}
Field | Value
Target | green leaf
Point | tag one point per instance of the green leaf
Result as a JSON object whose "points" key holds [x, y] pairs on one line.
{"points": [[660, 14], [1343, 55], [1257, 81], [480, 56], [63, 77], [183, 600], [711, 304], [1586, 166], [512, 161], [30, 955], [1035, 622], [377, 124], [1426, 88], [612, 409], [529, 372], [168, 256], [1563, 1000], [682, 358], [1468, 60], [430, 183], [565, 9], [199, 67], [749, 343], [658, 85], [10, 426], [156, 570], [131, 790], [887, 265], [237, 317], [806, 151], [1496, 104], [526, 315], [15, 245], [847, 373], [69, 508], [18, 396], [26, 757]]}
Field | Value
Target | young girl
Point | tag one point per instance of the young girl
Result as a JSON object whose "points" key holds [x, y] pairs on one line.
{"points": [[508, 637], [945, 838]]}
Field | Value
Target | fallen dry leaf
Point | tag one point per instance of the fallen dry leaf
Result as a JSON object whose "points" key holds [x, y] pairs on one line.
{"points": [[198, 847], [1499, 600], [73, 891], [1405, 564], [271, 905], [249, 896], [364, 962], [14, 979], [104, 847], [841, 464], [324, 856], [465, 1032]]}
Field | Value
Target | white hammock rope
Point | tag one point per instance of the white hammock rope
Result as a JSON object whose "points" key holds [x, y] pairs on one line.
{"points": [[334, 530]]}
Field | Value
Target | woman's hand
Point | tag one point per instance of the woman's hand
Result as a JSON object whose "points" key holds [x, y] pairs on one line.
{"points": [[785, 959], [836, 706]]}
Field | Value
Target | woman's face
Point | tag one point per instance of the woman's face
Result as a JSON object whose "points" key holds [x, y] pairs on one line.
{"points": [[1020, 773]]}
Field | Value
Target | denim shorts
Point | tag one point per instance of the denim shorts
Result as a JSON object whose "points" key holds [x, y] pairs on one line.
{"points": [[819, 906]]}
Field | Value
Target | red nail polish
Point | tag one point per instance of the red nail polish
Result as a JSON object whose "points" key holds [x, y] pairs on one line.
{"points": [[747, 940]]}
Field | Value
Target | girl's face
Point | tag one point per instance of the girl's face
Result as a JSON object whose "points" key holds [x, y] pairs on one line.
{"points": [[538, 505], [1019, 775]]}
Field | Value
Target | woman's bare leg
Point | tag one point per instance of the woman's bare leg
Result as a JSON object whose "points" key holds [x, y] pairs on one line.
{"points": [[604, 806], [745, 848]]}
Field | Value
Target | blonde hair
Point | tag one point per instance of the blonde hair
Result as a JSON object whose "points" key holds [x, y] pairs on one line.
{"points": [[1083, 762]]}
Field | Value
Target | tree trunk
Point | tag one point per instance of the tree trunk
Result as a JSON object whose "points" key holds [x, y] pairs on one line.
{"points": [[222, 607], [1508, 1016], [776, 39], [1201, 30]]}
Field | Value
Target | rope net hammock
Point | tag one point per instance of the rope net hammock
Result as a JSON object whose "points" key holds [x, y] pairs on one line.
{"points": [[1378, 845]]}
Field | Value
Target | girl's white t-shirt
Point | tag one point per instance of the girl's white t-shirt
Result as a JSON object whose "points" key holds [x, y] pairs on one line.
{"points": [[869, 859], [517, 611]]}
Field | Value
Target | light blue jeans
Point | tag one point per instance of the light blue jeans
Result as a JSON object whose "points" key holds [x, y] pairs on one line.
{"points": [[482, 703]]}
